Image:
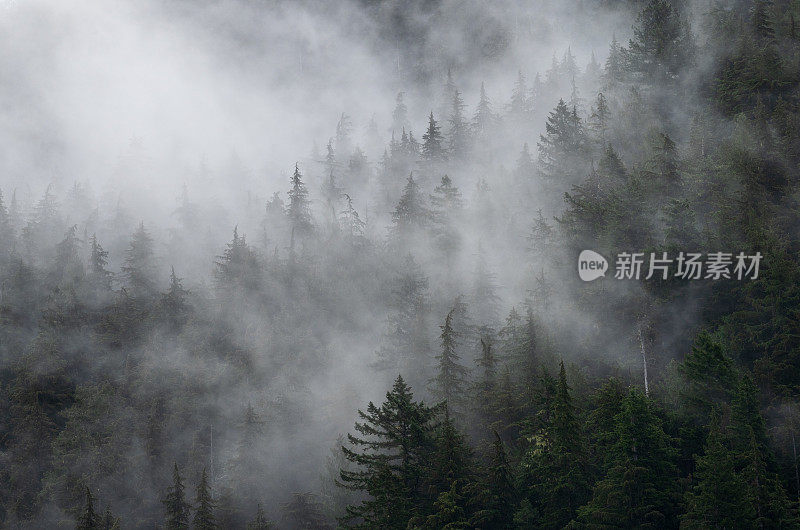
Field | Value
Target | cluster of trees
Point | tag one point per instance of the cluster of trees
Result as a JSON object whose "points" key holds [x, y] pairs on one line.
{"points": [[661, 404]]}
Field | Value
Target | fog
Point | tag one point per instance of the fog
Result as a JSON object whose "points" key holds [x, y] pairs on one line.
{"points": [[187, 117]]}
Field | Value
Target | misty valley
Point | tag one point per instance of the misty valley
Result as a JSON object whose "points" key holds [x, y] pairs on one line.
{"points": [[374, 264]]}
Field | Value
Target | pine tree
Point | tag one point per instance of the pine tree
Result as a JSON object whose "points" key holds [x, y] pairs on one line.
{"points": [[717, 499], [485, 119], [174, 301], [432, 140], [99, 276], [615, 64], [237, 271], [519, 109], [139, 267], [562, 149], [411, 212], [68, 267], [598, 120], [343, 129], [502, 494], [448, 385], [662, 44], [177, 509], [393, 456], [89, 519], [331, 192], [298, 211], [762, 23], [459, 131], [204, 506], [640, 487]]}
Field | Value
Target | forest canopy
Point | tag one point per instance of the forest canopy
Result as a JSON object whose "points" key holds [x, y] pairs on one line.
{"points": [[317, 265]]}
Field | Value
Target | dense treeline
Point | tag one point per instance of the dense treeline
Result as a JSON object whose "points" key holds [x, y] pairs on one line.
{"points": [[137, 394]]}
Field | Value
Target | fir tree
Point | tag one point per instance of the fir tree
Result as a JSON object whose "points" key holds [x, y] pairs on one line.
{"points": [[519, 108], [177, 509], [717, 499], [662, 44], [392, 458], [448, 385], [298, 211], [99, 276], [139, 267], [459, 131], [615, 64], [204, 506], [485, 119], [432, 148], [562, 149], [237, 271], [89, 519]]}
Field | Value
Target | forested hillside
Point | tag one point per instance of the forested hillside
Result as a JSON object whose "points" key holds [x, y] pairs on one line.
{"points": [[391, 332]]}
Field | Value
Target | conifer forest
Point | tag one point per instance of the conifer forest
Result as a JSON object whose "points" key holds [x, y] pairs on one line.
{"points": [[383, 264]]}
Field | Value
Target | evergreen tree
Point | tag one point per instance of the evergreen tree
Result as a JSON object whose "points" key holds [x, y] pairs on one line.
{"points": [[525, 169], [598, 120], [89, 519], [432, 140], [174, 301], [502, 494], [298, 211], [411, 212], [448, 385], [562, 149], [177, 509], [237, 271], [761, 20], [204, 506], [520, 108], [615, 64], [662, 44], [99, 276], [484, 120], [717, 499], [139, 267], [640, 487], [392, 456], [459, 130]]}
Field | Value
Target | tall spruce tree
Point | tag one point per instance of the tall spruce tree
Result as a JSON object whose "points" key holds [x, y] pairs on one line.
{"points": [[450, 380], [432, 142], [139, 267], [298, 211], [89, 518], [392, 451], [204, 505], [175, 505]]}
